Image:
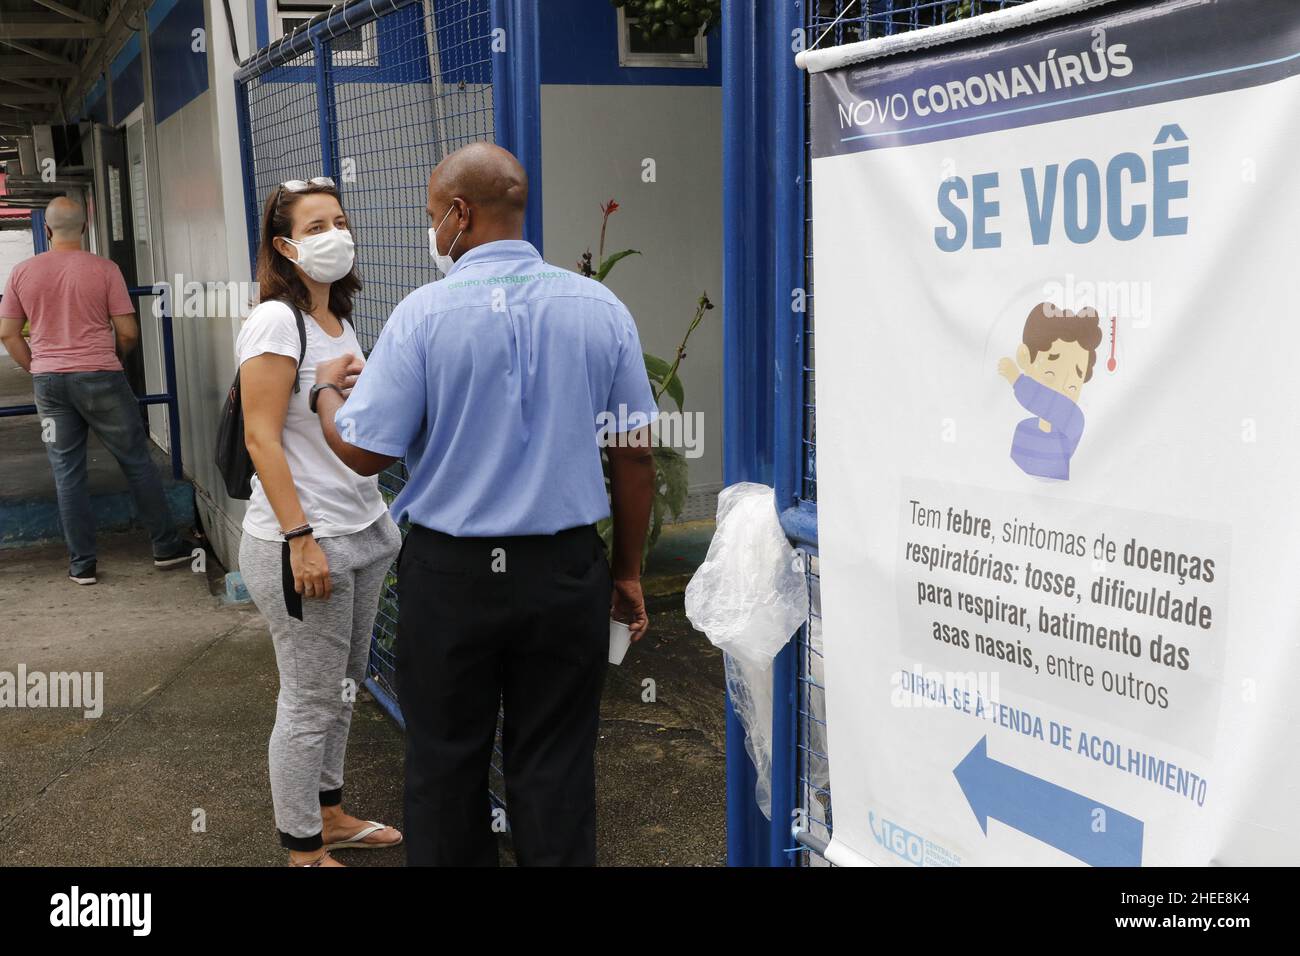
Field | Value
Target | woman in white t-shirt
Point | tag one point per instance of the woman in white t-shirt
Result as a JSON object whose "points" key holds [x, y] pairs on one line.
{"points": [[318, 540]]}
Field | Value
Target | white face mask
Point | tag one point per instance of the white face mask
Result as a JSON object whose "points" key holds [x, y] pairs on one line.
{"points": [[443, 263], [327, 256]]}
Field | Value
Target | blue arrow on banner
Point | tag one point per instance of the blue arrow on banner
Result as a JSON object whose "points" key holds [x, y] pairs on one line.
{"points": [[1085, 829]]}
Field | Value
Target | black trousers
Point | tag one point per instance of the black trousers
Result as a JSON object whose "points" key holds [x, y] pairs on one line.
{"points": [[520, 624]]}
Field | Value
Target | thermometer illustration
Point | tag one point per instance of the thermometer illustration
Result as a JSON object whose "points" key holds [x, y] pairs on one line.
{"points": [[1111, 363]]}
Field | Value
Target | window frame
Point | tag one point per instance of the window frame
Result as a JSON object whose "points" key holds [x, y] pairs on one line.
{"points": [[308, 9], [698, 60]]}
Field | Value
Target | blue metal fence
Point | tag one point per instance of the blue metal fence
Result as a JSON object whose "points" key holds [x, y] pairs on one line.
{"points": [[770, 359], [374, 94]]}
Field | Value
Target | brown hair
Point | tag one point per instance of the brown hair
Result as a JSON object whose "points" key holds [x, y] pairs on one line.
{"points": [[277, 276], [1047, 324]]}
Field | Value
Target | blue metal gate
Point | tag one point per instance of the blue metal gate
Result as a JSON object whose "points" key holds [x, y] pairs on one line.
{"points": [[770, 360]]}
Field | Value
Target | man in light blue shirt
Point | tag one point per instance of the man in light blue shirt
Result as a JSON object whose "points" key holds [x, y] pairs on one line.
{"points": [[494, 383]]}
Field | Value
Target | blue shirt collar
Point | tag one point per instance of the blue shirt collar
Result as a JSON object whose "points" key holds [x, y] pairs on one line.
{"points": [[503, 250]]}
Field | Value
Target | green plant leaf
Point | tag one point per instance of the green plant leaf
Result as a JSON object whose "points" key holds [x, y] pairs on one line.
{"points": [[605, 528], [672, 476], [666, 381], [675, 391], [613, 260], [656, 367]]}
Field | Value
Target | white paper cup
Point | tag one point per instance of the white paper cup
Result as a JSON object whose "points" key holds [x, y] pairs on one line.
{"points": [[620, 637]]}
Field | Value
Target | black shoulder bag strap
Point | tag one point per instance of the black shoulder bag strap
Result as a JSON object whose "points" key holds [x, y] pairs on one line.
{"points": [[302, 342]]}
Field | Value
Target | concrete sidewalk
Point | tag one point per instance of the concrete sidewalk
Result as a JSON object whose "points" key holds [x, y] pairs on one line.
{"points": [[189, 688]]}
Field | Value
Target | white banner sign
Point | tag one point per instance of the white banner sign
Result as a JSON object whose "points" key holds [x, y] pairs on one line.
{"points": [[1058, 411]]}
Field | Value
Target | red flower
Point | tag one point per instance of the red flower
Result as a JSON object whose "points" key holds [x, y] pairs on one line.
{"points": [[608, 208]]}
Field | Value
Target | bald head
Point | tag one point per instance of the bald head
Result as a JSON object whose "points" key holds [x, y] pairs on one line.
{"points": [[485, 176], [477, 193], [65, 217]]}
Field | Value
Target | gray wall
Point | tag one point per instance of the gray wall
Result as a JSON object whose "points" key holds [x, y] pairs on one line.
{"points": [[594, 141]]}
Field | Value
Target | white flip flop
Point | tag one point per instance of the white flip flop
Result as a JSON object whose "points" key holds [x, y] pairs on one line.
{"points": [[355, 842]]}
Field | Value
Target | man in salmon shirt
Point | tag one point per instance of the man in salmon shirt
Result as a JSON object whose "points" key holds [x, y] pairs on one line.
{"points": [[81, 319]]}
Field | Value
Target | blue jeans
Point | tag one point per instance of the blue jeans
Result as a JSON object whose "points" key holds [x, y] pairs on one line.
{"points": [[102, 402]]}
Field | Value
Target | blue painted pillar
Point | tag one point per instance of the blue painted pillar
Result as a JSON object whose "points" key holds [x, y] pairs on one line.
{"points": [[325, 112], [763, 142], [252, 201], [517, 97]]}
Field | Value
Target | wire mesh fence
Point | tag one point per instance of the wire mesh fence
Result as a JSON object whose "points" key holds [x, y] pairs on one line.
{"points": [[381, 94], [832, 23], [413, 86], [286, 142]]}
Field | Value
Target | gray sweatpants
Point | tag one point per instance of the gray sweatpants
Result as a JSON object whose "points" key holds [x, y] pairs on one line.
{"points": [[322, 661]]}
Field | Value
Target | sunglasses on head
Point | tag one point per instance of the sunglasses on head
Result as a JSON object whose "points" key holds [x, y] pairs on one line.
{"points": [[298, 185]]}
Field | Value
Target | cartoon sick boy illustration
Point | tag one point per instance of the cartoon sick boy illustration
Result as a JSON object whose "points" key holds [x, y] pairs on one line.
{"points": [[1058, 351]]}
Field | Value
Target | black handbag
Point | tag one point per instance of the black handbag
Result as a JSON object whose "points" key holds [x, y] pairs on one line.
{"points": [[233, 460]]}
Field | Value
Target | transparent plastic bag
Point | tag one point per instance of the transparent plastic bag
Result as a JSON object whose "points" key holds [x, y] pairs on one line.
{"points": [[750, 691], [750, 594], [749, 597]]}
